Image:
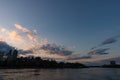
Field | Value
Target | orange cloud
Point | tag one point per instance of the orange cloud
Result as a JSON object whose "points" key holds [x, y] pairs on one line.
{"points": [[22, 28], [30, 47], [16, 37], [2, 29], [1, 39], [28, 34], [31, 37], [43, 54], [20, 42]]}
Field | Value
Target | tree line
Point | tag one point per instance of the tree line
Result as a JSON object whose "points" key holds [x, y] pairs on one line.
{"points": [[37, 62]]}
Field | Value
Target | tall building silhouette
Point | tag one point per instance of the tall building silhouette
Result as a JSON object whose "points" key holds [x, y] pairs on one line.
{"points": [[112, 63], [12, 54]]}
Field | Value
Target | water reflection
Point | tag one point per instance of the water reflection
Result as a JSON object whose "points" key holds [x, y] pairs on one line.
{"points": [[60, 74]]}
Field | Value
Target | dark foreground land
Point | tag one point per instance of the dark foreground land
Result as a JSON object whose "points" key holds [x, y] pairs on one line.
{"points": [[112, 64], [25, 62], [37, 62]]}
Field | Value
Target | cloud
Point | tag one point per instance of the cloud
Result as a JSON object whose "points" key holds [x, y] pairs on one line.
{"points": [[2, 30], [56, 49], [99, 52], [43, 46], [1, 39], [31, 36], [4, 47], [12, 37], [108, 41], [79, 57], [16, 37], [30, 45], [45, 56], [22, 28], [46, 50], [24, 52]]}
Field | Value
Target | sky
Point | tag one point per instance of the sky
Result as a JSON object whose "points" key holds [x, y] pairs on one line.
{"points": [[68, 30]]}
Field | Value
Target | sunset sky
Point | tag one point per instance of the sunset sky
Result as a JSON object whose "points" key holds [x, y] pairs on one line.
{"points": [[71, 30]]}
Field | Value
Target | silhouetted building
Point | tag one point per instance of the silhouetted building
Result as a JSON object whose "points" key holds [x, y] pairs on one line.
{"points": [[15, 54], [12, 54], [1, 56], [112, 63]]}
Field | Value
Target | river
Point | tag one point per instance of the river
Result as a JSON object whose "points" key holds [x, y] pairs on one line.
{"points": [[61, 74]]}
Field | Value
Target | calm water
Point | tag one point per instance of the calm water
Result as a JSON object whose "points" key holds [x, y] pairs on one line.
{"points": [[60, 74]]}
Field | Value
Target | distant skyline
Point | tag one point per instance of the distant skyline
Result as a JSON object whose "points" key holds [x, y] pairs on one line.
{"points": [[74, 30]]}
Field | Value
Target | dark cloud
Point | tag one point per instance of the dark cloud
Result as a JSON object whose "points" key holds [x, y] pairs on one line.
{"points": [[80, 57], [25, 51], [4, 47], [99, 52], [93, 48], [56, 49], [108, 41]]}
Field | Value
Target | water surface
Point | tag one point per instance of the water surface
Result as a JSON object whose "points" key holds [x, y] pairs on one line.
{"points": [[60, 74]]}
